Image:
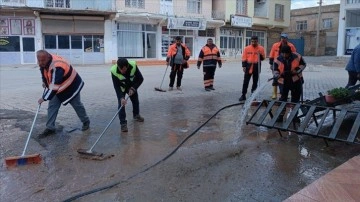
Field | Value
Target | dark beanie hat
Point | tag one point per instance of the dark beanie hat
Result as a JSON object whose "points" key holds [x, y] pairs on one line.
{"points": [[285, 49], [121, 62], [255, 38], [178, 38]]}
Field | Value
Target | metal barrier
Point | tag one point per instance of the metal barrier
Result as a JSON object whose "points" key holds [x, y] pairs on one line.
{"points": [[309, 119]]}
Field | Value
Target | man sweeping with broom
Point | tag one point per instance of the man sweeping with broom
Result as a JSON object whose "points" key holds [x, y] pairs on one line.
{"points": [[62, 85], [127, 78]]}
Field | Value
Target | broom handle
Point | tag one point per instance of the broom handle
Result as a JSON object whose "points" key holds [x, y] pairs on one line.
{"points": [[32, 126], [164, 75], [90, 150]]}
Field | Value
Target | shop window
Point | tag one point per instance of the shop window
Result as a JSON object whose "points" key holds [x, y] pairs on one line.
{"points": [[76, 42], [9, 44], [50, 41], [28, 44], [207, 33], [135, 3], [194, 6], [63, 42], [57, 3], [93, 43]]}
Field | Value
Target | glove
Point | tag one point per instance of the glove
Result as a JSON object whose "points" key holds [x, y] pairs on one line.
{"points": [[132, 91], [244, 69], [198, 67], [272, 67]]}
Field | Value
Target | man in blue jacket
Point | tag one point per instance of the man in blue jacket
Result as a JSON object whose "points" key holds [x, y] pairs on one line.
{"points": [[353, 67]]}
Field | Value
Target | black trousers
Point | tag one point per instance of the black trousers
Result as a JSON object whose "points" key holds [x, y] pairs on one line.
{"points": [[136, 109], [296, 90], [247, 77], [176, 70], [209, 73], [352, 79]]}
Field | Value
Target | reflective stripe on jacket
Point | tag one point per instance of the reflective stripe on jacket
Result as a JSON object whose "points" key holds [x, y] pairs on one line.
{"points": [[209, 56], [71, 82], [295, 64], [121, 77], [250, 56]]}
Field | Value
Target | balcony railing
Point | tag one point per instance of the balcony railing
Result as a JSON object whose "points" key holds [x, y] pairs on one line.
{"points": [[13, 3], [260, 13]]}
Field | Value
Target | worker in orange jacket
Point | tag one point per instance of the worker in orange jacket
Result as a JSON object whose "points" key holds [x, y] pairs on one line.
{"points": [[274, 53], [251, 64], [210, 56], [288, 69], [177, 57]]}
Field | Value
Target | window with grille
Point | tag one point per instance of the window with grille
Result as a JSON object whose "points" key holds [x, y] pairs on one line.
{"points": [[279, 12], [301, 25], [57, 3], [241, 6], [327, 23], [135, 3], [194, 6], [14, 1]]}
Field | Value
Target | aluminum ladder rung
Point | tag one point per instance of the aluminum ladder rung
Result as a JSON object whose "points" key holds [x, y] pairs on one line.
{"points": [[354, 129], [337, 124], [265, 113], [276, 115], [256, 111], [306, 120], [291, 116], [322, 121]]}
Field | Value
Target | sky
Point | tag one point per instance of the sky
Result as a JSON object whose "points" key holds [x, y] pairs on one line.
{"points": [[296, 4]]}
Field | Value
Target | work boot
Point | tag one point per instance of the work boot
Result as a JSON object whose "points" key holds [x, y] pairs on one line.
{"points": [[207, 89], [46, 132], [179, 88], [274, 94], [138, 118], [124, 127], [86, 125], [171, 88], [212, 88], [242, 98]]}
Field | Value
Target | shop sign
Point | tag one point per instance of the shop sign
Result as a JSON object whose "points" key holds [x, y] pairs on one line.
{"points": [[184, 23], [240, 21]]}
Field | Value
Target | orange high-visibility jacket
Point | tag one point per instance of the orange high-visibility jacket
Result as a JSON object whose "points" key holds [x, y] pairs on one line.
{"points": [[173, 50], [61, 79], [210, 56], [296, 63], [251, 55], [275, 51]]}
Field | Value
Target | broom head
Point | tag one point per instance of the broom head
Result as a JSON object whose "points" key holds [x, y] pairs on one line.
{"points": [[159, 89], [22, 160]]}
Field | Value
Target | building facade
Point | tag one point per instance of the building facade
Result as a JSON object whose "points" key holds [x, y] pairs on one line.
{"points": [[304, 24], [100, 31], [349, 27], [245, 18]]}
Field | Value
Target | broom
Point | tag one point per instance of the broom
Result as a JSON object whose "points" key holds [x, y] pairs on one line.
{"points": [[25, 159], [159, 89]]}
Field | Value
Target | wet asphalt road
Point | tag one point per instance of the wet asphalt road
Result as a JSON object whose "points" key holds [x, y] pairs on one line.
{"points": [[226, 160]]}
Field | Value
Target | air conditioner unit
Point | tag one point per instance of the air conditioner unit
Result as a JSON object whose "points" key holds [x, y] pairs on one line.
{"points": [[260, 1]]}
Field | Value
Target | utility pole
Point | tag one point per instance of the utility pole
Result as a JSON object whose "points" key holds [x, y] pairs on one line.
{"points": [[318, 30]]}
